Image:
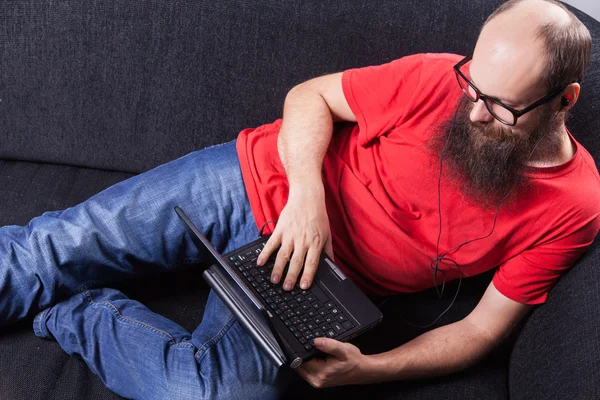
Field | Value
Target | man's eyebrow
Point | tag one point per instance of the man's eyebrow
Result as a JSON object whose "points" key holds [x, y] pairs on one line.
{"points": [[508, 102]]}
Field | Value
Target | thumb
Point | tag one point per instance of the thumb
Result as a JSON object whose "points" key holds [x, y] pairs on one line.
{"points": [[331, 347]]}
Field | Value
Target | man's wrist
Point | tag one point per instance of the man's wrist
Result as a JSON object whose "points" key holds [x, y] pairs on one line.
{"points": [[373, 369], [381, 368], [307, 184]]}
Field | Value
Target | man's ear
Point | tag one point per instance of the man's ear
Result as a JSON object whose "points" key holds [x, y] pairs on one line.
{"points": [[570, 96]]}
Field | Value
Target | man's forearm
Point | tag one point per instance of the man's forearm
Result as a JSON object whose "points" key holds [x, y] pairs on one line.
{"points": [[438, 352], [304, 135]]}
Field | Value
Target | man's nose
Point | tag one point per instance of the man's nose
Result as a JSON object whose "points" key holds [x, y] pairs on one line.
{"points": [[480, 113]]}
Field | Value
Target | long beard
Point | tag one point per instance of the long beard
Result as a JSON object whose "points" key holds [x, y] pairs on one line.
{"points": [[488, 160]]}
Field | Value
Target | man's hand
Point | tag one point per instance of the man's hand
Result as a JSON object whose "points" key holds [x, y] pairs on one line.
{"points": [[302, 231], [344, 365]]}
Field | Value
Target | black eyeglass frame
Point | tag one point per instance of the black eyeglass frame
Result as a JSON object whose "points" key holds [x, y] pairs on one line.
{"points": [[516, 113]]}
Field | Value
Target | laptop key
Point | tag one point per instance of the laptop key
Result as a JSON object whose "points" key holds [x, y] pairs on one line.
{"points": [[293, 303], [348, 325], [341, 317], [298, 334], [308, 347], [338, 328], [323, 311], [318, 333], [325, 327], [331, 333], [318, 320], [317, 304], [317, 291], [329, 305], [310, 298]]}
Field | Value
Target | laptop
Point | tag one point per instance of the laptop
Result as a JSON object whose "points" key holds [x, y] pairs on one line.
{"points": [[284, 323]]}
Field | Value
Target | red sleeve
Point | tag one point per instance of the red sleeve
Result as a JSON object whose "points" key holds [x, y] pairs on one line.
{"points": [[378, 95], [528, 277]]}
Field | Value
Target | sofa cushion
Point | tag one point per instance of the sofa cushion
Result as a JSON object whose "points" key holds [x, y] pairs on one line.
{"points": [[153, 81], [557, 354]]}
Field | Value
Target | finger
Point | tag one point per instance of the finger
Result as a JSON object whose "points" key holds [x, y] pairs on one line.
{"points": [[310, 267], [295, 266], [332, 347], [312, 367], [329, 248], [307, 375], [271, 245], [283, 256], [303, 372]]}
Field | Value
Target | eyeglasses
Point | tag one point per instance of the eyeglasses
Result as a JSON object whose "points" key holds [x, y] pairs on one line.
{"points": [[503, 113]]}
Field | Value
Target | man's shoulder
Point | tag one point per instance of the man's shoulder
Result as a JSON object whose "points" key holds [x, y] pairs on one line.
{"points": [[429, 59], [443, 57]]}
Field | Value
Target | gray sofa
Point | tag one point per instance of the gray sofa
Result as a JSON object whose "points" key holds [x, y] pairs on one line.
{"points": [[94, 92]]}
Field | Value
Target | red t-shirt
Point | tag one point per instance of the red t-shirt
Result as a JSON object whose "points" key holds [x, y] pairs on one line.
{"points": [[382, 198]]}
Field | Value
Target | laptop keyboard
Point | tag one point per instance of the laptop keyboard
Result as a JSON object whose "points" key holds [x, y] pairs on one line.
{"points": [[307, 313]]}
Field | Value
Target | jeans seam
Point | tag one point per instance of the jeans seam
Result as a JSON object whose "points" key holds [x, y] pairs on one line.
{"points": [[39, 321], [108, 305], [215, 338]]}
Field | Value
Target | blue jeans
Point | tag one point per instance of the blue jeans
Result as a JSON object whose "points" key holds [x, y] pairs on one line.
{"points": [[59, 259]]}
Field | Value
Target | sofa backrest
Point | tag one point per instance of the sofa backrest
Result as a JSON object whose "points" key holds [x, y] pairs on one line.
{"points": [[129, 85]]}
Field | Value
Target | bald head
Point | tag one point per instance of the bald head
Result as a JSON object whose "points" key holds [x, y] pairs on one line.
{"points": [[538, 40]]}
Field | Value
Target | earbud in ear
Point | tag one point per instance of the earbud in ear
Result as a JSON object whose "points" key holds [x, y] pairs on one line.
{"points": [[566, 100]]}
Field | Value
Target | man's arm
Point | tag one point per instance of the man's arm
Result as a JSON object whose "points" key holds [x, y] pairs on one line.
{"points": [[441, 351], [455, 346], [303, 228]]}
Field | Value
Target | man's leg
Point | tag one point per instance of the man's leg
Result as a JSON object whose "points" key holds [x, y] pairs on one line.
{"points": [[126, 230], [141, 355]]}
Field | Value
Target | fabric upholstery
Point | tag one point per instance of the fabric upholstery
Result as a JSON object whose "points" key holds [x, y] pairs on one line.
{"points": [[93, 92]]}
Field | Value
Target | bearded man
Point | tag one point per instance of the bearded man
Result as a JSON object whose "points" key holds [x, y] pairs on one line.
{"points": [[449, 166]]}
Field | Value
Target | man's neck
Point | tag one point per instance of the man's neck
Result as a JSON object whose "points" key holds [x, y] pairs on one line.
{"points": [[567, 151]]}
